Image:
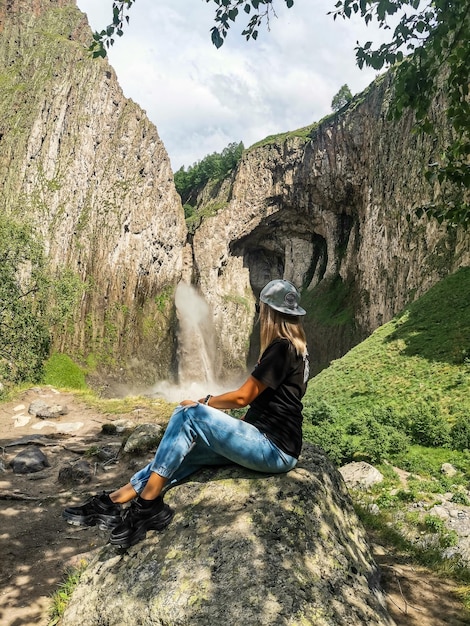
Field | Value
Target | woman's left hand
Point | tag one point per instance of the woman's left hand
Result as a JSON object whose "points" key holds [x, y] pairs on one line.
{"points": [[188, 403]]}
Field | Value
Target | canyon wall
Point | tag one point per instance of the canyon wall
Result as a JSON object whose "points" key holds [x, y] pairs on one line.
{"points": [[332, 210], [87, 167]]}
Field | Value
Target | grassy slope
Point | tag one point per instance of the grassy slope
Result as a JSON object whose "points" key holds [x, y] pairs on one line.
{"points": [[422, 354]]}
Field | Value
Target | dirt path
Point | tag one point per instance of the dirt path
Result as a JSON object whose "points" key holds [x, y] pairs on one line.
{"points": [[37, 546]]}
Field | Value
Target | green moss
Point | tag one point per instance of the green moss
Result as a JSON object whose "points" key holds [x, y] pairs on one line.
{"points": [[164, 299], [238, 300], [204, 212], [302, 133], [61, 371]]}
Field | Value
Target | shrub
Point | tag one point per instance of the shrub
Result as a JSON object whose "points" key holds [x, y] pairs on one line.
{"points": [[333, 439], [447, 538], [188, 210], [320, 411], [407, 495], [460, 498], [386, 500], [434, 523], [379, 441], [428, 427], [460, 434], [388, 415], [24, 332]]}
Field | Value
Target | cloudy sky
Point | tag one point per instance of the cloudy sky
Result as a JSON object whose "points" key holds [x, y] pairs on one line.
{"points": [[201, 99]]}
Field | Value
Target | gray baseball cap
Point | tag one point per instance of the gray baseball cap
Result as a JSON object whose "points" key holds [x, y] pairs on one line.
{"points": [[282, 296]]}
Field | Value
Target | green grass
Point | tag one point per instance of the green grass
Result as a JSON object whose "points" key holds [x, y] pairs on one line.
{"points": [[422, 355], [408, 381], [61, 597], [303, 133], [61, 371], [329, 304]]}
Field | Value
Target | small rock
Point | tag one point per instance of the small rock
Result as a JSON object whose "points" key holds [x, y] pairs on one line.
{"points": [[440, 511], [21, 420], [123, 425], [30, 460], [52, 412], [145, 437], [75, 473], [360, 474], [448, 470], [36, 406]]}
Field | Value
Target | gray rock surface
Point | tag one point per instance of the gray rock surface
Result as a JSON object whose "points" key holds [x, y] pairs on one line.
{"points": [[29, 461], [91, 173], [37, 406], [145, 437], [448, 470], [75, 473], [360, 475], [243, 548], [52, 412]]}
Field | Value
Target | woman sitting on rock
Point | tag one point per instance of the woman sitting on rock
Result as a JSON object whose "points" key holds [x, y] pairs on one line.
{"points": [[268, 438]]}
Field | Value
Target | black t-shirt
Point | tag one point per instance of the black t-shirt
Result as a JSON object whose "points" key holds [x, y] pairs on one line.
{"points": [[277, 411]]}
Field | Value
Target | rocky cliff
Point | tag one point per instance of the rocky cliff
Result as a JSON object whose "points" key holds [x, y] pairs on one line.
{"points": [[330, 208], [88, 168]]}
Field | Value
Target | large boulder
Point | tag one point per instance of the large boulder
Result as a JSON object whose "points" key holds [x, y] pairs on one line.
{"points": [[243, 548]]}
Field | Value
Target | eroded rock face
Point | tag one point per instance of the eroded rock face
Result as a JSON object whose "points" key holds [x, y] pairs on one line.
{"points": [[243, 548], [333, 213], [89, 169]]}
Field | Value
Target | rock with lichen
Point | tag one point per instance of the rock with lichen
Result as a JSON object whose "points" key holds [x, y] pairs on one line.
{"points": [[243, 548]]}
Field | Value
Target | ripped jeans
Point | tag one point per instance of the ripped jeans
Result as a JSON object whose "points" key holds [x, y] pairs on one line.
{"points": [[198, 435]]}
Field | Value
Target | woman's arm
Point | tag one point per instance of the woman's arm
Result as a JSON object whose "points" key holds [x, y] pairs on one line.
{"points": [[237, 399]]}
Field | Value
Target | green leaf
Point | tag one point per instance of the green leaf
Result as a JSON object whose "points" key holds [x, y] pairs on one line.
{"points": [[217, 40]]}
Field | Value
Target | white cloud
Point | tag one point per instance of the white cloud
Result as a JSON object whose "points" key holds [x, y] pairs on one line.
{"points": [[201, 98]]}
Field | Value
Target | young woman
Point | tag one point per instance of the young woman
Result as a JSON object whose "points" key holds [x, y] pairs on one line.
{"points": [[268, 438]]}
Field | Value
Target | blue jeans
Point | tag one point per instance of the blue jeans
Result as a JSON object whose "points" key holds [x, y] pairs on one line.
{"points": [[198, 435]]}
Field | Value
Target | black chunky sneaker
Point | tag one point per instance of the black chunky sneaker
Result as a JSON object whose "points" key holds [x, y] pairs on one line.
{"points": [[138, 519], [98, 510]]}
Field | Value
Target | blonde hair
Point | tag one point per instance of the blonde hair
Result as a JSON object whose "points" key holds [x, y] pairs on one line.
{"points": [[274, 325]]}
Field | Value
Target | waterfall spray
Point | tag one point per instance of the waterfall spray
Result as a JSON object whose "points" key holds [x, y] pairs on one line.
{"points": [[196, 349], [196, 336]]}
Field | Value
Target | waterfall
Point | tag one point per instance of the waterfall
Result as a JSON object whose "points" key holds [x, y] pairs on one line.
{"points": [[196, 350], [196, 336]]}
